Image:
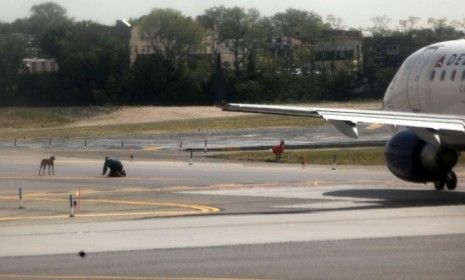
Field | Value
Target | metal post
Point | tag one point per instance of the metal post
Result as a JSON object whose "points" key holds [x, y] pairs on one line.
{"points": [[206, 143], [122, 143], [15, 142], [20, 194], [192, 156], [74, 206], [79, 199], [334, 162], [71, 205]]}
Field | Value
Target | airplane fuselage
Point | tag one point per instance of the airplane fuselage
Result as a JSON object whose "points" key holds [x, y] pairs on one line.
{"points": [[426, 96], [432, 80]]}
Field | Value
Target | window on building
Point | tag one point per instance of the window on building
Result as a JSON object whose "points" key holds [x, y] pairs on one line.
{"points": [[43, 66], [443, 75], [432, 75], [452, 75]]}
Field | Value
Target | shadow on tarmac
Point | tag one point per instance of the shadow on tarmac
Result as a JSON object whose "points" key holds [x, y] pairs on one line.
{"points": [[398, 198], [375, 199]]}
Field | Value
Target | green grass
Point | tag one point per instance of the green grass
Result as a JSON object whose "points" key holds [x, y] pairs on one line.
{"points": [[46, 117], [31, 117], [355, 156], [57, 122], [213, 124], [365, 156]]}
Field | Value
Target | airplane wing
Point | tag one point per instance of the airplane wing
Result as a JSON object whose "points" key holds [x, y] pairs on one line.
{"points": [[346, 120]]}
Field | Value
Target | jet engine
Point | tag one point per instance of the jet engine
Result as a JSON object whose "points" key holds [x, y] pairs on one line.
{"points": [[412, 159]]}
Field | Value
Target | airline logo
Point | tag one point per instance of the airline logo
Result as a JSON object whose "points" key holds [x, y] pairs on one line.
{"points": [[455, 59], [440, 62]]}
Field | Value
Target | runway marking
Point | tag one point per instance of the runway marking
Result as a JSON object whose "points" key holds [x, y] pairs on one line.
{"points": [[86, 190], [152, 149], [194, 209], [102, 215], [201, 208], [103, 277]]}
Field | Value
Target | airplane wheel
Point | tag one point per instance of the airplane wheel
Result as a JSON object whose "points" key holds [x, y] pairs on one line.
{"points": [[439, 185], [451, 180]]}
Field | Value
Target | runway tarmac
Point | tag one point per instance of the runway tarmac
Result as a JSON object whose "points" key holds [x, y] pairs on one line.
{"points": [[225, 221]]}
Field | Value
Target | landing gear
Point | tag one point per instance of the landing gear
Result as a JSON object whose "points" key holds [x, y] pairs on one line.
{"points": [[439, 185], [450, 181]]}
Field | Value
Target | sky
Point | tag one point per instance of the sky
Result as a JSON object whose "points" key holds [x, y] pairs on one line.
{"points": [[355, 13]]}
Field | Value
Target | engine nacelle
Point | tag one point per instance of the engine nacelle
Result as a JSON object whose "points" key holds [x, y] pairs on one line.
{"points": [[412, 159]]}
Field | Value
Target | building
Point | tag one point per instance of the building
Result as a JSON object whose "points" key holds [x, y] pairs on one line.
{"points": [[38, 65], [338, 50], [284, 46], [140, 44], [386, 51]]}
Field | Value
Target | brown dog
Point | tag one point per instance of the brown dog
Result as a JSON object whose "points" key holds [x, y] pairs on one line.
{"points": [[47, 162]]}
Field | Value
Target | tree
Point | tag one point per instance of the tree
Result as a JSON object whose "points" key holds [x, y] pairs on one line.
{"points": [[437, 23], [12, 50], [409, 24], [304, 25], [171, 34], [93, 60], [50, 23], [232, 31], [45, 15], [210, 20], [243, 32], [380, 26], [335, 22], [459, 25], [443, 30]]}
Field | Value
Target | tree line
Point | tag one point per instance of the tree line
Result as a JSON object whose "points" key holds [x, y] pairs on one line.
{"points": [[94, 67]]}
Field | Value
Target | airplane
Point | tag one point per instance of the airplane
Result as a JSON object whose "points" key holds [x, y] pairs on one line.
{"points": [[426, 99]]}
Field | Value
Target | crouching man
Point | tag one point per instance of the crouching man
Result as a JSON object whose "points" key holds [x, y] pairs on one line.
{"points": [[115, 166]]}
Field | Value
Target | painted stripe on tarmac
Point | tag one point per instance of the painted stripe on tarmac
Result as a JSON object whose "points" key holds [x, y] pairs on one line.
{"points": [[105, 277]]}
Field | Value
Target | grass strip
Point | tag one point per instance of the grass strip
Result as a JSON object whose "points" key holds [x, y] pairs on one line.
{"points": [[365, 156], [210, 124], [352, 156]]}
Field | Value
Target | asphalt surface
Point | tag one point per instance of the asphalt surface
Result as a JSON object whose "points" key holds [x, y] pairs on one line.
{"points": [[316, 135], [430, 257], [172, 220]]}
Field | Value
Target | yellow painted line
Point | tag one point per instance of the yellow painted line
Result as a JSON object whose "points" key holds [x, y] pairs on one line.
{"points": [[201, 208], [102, 215], [104, 277], [152, 149], [194, 209]]}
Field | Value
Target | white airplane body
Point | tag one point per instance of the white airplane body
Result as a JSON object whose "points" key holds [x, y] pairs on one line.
{"points": [[427, 97]]}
